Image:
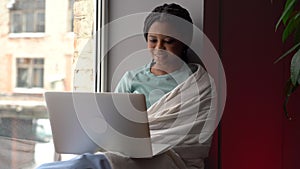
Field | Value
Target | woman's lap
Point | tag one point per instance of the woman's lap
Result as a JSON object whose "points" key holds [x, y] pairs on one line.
{"points": [[165, 161]]}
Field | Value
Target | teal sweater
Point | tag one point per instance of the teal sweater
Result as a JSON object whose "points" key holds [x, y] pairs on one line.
{"points": [[142, 81]]}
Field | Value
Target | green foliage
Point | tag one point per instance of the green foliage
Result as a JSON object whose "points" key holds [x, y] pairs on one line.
{"points": [[288, 9], [288, 52], [295, 68], [291, 27], [290, 18]]}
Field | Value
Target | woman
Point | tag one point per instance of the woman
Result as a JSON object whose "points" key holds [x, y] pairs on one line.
{"points": [[178, 94]]}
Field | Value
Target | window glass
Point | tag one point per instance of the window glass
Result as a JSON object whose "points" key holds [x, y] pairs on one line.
{"points": [[30, 65], [29, 22], [40, 4], [17, 23], [40, 26], [22, 77], [38, 77]]}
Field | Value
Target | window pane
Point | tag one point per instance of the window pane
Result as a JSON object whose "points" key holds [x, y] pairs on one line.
{"points": [[29, 22], [40, 4], [27, 4], [40, 23], [38, 61], [38, 77], [21, 4], [16, 24], [23, 61], [23, 77]]}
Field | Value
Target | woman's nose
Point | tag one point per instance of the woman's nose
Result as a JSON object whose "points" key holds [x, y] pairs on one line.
{"points": [[159, 45]]}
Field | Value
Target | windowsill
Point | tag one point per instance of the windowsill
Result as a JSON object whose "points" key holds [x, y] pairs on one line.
{"points": [[29, 90], [27, 35]]}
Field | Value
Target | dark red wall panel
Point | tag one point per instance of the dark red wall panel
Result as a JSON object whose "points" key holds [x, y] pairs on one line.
{"points": [[291, 135], [254, 131], [211, 29], [252, 121]]}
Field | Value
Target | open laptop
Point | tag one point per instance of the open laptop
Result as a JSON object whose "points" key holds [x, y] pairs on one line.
{"points": [[84, 122]]}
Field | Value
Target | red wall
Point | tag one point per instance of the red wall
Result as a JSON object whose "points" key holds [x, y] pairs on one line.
{"points": [[211, 29], [254, 134]]}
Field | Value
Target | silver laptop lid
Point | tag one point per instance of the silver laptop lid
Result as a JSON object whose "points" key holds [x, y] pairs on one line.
{"points": [[85, 122]]}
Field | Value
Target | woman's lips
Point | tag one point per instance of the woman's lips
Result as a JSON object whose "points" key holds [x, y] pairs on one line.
{"points": [[160, 55]]}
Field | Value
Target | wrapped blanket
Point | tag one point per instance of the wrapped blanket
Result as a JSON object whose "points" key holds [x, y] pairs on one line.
{"points": [[185, 118], [186, 115]]}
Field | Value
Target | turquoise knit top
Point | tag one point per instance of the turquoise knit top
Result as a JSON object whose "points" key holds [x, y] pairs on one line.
{"points": [[142, 81]]}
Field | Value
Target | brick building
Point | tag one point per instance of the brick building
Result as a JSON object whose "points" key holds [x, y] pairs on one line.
{"points": [[36, 53]]}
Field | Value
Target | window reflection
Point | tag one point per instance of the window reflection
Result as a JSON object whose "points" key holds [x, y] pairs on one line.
{"points": [[33, 59]]}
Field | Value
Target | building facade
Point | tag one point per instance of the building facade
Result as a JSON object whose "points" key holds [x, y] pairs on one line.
{"points": [[36, 54]]}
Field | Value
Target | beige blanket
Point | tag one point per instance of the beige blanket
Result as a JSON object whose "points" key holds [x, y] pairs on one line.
{"points": [[186, 119]]}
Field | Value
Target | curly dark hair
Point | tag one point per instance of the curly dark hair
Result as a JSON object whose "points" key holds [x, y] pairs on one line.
{"points": [[171, 13]]}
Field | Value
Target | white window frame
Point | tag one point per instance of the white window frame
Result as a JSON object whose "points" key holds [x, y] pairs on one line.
{"points": [[100, 32]]}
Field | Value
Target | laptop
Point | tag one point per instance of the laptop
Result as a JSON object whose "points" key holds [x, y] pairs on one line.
{"points": [[83, 122]]}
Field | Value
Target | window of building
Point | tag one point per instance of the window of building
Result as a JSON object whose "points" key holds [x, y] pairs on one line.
{"points": [[30, 72], [27, 16]]}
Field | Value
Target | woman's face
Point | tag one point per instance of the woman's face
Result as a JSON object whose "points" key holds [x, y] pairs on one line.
{"points": [[165, 50]]}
